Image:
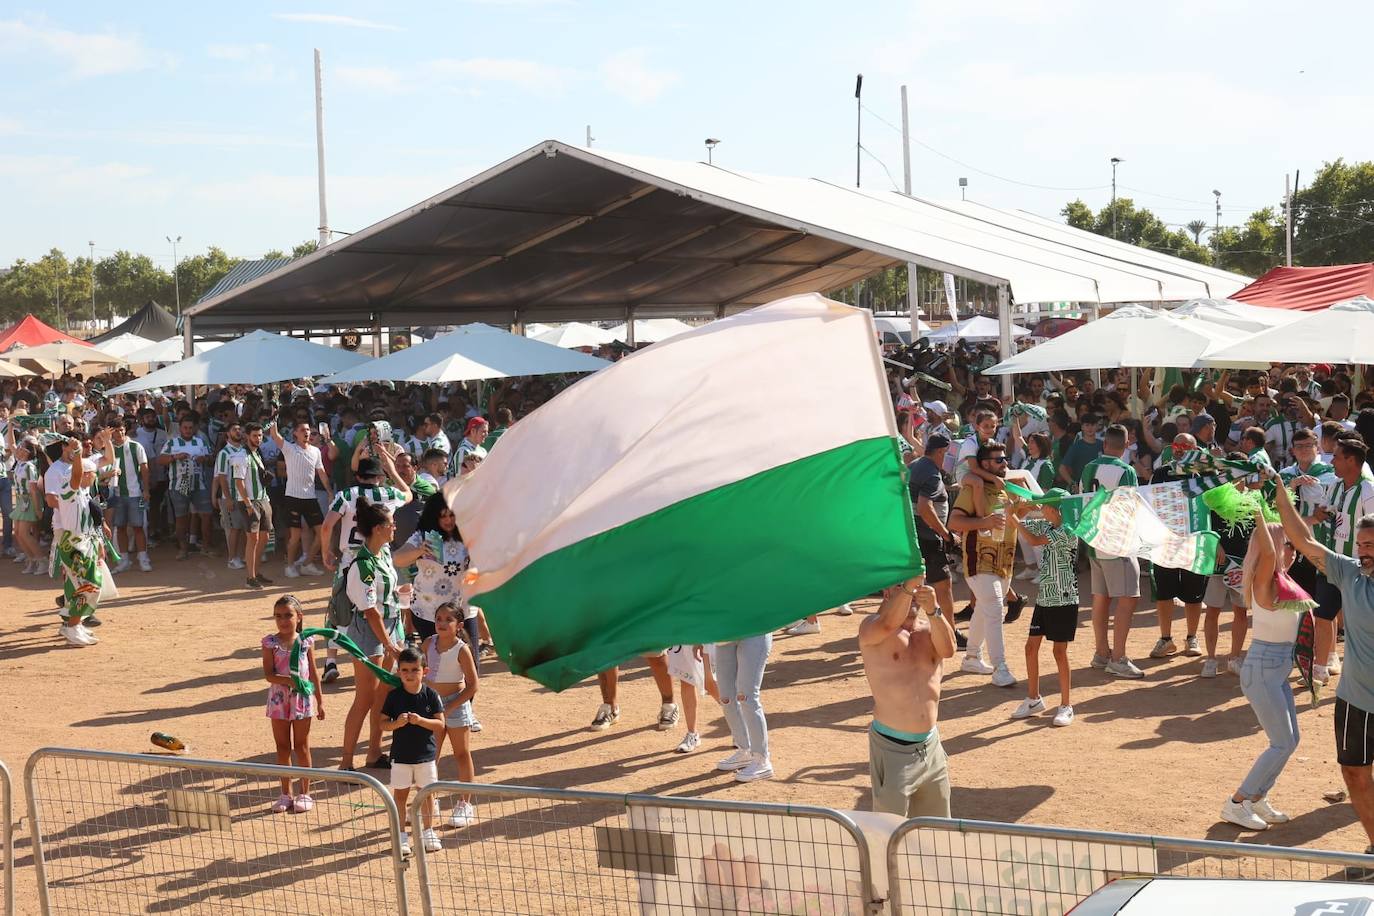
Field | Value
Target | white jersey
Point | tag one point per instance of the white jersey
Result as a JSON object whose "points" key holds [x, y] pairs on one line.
{"points": [[301, 466], [345, 505]]}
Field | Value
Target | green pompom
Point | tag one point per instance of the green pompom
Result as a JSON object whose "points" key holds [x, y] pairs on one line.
{"points": [[1237, 508]]}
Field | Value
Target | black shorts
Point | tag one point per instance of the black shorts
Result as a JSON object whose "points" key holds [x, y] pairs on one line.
{"points": [[1354, 737], [1168, 584], [1328, 599], [300, 512], [936, 557], [1057, 623]]}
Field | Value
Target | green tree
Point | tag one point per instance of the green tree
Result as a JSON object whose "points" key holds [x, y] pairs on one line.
{"points": [[1197, 227], [1138, 226], [124, 281], [273, 255], [49, 288], [305, 248], [1253, 248], [1333, 217], [199, 272]]}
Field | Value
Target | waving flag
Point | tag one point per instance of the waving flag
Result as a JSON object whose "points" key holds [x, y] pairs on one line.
{"points": [[1120, 523], [714, 486], [1206, 471]]}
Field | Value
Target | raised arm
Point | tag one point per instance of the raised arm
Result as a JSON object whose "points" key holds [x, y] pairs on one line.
{"points": [[1299, 535], [893, 611]]}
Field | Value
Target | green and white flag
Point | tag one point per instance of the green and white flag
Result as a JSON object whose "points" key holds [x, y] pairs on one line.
{"points": [[711, 487], [1120, 523]]}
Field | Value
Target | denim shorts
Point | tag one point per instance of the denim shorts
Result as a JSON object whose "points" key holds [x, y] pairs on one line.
{"points": [[184, 504], [128, 512], [460, 716], [360, 631]]}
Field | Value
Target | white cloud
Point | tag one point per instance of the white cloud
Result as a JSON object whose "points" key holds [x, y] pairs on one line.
{"points": [[351, 22], [629, 74], [83, 53]]}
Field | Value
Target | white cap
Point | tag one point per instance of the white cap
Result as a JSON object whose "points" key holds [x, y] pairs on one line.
{"points": [[939, 408]]}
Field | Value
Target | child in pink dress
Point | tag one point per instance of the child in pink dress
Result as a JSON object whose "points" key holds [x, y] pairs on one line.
{"points": [[290, 710]]}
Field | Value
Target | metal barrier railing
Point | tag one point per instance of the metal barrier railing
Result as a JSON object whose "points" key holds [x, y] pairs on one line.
{"points": [[134, 833], [7, 836], [937, 865], [537, 851]]}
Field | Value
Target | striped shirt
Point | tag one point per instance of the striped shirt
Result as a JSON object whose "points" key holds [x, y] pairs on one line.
{"points": [[25, 473], [1312, 496], [372, 582], [1106, 472], [1058, 576], [345, 506], [1347, 505], [184, 476], [1278, 432], [225, 456], [247, 466], [418, 446], [301, 466], [131, 459]]}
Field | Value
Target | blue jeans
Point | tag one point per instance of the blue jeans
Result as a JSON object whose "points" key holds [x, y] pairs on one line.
{"points": [[1264, 680], [739, 675], [6, 508]]}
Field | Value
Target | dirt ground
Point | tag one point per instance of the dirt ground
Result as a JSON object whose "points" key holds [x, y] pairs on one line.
{"points": [[179, 653]]}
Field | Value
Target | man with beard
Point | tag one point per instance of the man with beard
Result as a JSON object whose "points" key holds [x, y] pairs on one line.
{"points": [[222, 495]]}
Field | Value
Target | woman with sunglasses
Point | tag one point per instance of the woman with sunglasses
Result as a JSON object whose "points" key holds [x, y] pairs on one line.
{"points": [[376, 627]]}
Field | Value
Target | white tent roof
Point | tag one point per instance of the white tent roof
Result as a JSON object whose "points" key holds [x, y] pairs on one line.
{"points": [[979, 327], [1130, 337], [575, 334], [124, 344], [899, 327], [1343, 333], [559, 232], [652, 330], [167, 351], [474, 351], [254, 359], [62, 351], [1242, 316]]}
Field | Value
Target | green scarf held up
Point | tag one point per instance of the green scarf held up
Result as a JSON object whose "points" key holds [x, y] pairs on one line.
{"points": [[302, 684]]}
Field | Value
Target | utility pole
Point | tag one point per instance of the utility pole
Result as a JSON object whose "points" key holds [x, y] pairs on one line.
{"points": [[1287, 223], [913, 271], [858, 130], [1115, 162], [906, 147], [92, 244], [325, 234], [590, 138], [176, 275], [1216, 240]]}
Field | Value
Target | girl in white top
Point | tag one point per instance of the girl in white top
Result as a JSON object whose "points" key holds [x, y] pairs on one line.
{"points": [[451, 671], [1264, 677]]}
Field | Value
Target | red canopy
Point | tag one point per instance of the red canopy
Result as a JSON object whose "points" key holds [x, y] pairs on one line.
{"points": [[1309, 289], [30, 333]]}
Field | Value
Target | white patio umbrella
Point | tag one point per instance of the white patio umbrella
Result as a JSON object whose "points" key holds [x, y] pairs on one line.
{"points": [[575, 334], [124, 344], [254, 359], [1242, 316], [977, 328], [13, 370], [474, 351], [652, 330], [167, 351], [1343, 333], [62, 351]]}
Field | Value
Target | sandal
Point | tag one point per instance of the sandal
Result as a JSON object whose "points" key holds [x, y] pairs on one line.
{"points": [[383, 762]]}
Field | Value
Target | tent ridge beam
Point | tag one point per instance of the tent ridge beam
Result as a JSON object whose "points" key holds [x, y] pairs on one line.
{"points": [[790, 276], [733, 264]]}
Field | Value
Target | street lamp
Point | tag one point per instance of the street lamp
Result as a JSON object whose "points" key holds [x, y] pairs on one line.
{"points": [[711, 144], [1216, 243], [963, 189], [176, 279], [92, 244], [1115, 162]]}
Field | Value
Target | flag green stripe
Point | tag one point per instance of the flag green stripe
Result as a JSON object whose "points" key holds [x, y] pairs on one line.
{"points": [[736, 561]]}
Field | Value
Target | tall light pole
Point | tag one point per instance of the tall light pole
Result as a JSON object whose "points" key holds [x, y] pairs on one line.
{"points": [[1115, 162], [963, 189], [176, 278], [92, 244], [858, 130], [711, 143], [1216, 242]]}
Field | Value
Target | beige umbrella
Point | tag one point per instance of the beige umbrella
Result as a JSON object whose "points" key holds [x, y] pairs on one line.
{"points": [[63, 351]]}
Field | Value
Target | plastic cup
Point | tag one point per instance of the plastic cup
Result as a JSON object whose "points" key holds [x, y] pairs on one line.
{"points": [[404, 594]]}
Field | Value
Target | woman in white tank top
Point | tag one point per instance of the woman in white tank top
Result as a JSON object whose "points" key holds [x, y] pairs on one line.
{"points": [[451, 671], [1264, 677]]}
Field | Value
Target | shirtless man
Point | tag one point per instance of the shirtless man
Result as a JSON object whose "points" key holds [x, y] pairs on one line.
{"points": [[904, 655]]}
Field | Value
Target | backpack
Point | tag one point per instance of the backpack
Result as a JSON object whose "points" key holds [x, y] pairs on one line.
{"points": [[339, 613]]}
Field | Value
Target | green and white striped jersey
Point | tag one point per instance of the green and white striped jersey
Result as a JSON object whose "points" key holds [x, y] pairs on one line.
{"points": [[185, 476], [345, 505], [1347, 505], [247, 466], [1312, 496], [130, 458]]}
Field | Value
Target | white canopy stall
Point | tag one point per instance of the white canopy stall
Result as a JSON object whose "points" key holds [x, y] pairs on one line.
{"points": [[978, 328], [575, 335], [258, 358], [1343, 333]]}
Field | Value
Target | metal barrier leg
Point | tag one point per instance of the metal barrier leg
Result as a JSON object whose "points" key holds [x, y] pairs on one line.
{"points": [[7, 835]]}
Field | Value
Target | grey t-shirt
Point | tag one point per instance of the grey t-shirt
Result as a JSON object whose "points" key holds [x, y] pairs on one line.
{"points": [[1356, 685], [927, 481]]}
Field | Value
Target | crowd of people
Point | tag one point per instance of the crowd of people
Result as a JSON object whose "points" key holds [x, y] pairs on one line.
{"points": [[310, 481]]}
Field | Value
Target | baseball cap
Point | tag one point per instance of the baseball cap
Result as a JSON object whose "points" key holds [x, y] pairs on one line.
{"points": [[369, 467], [939, 408], [1202, 421], [937, 442]]}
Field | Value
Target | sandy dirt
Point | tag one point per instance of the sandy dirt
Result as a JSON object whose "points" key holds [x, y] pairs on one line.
{"points": [[179, 653]]}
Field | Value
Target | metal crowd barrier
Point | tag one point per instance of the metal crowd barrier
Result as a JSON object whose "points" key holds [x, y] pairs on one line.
{"points": [[937, 865], [134, 833], [551, 851], [7, 836]]}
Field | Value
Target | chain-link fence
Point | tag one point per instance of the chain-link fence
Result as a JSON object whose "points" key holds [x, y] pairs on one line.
{"points": [[949, 866], [7, 838], [133, 833], [548, 851]]}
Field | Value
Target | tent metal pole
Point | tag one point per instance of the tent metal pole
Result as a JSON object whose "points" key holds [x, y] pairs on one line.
{"points": [[630, 326], [1004, 333], [377, 337], [187, 349]]}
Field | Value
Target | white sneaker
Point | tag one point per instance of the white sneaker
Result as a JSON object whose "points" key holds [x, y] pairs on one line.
{"points": [[20, 558], [736, 761], [236, 563], [975, 665], [690, 742], [667, 716], [1333, 664], [71, 635], [1124, 668], [1064, 716], [464, 815], [431, 840], [1029, 708], [1099, 661], [123, 565], [1320, 674], [91, 638], [845, 610], [1002, 676], [606, 715], [803, 628], [1267, 812], [1191, 649], [41, 569], [405, 845], [1233, 666], [757, 768], [310, 569], [1027, 574], [1164, 647], [28, 568], [144, 563], [1209, 668], [1242, 815], [291, 572]]}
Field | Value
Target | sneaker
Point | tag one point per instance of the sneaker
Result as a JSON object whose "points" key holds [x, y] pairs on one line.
{"points": [[310, 569], [1099, 661], [383, 762], [965, 615], [476, 726], [975, 665], [757, 768], [264, 580], [1268, 813], [1233, 666], [1333, 664], [41, 568], [73, 636], [1164, 647], [690, 742], [1029, 708], [736, 761], [331, 672], [292, 572], [960, 640], [255, 582], [803, 628], [20, 558], [405, 845], [1027, 574], [282, 805], [1321, 675], [182, 554], [123, 565], [1191, 649], [463, 815], [1002, 676], [667, 716], [91, 638], [28, 569], [236, 563], [606, 715], [1063, 717], [92, 621], [144, 563], [1123, 667], [1014, 609], [302, 804], [845, 610], [1242, 815], [430, 839], [1209, 668]]}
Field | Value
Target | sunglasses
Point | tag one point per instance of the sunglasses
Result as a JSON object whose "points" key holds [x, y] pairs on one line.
{"points": [[1000, 460]]}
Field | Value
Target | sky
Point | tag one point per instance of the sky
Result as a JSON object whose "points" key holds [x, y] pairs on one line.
{"points": [[123, 124]]}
